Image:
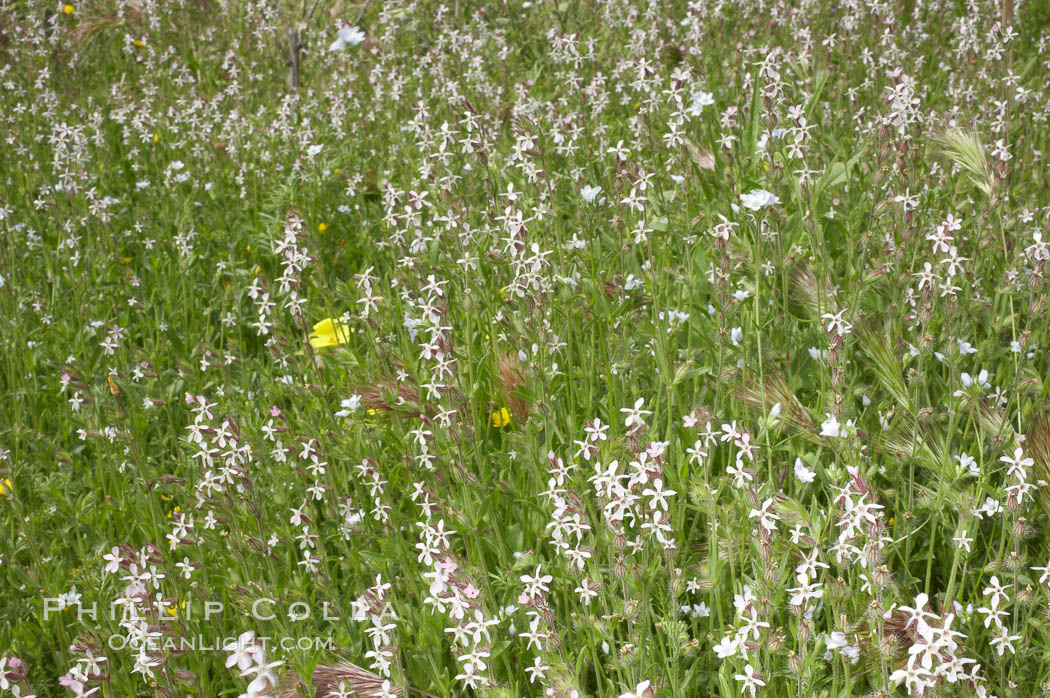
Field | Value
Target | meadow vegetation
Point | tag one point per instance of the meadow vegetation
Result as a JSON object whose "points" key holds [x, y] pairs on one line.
{"points": [[621, 349]]}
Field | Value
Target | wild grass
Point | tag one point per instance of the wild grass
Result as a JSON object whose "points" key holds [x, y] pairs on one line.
{"points": [[616, 349]]}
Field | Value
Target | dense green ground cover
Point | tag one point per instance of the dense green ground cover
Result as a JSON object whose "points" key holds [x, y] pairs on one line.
{"points": [[615, 349]]}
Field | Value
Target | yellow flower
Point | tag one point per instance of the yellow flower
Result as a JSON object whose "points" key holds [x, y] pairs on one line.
{"points": [[156, 137], [329, 333], [501, 418], [6, 487], [139, 43], [321, 228], [68, 9]]}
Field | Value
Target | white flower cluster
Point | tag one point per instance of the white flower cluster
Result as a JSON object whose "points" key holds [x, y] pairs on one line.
{"points": [[372, 606], [250, 657]]}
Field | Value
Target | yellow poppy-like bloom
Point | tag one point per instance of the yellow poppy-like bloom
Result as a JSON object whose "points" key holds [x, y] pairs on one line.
{"points": [[329, 332], [6, 487], [68, 9], [501, 418]]}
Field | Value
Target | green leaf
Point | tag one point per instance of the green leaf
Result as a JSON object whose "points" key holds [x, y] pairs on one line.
{"points": [[755, 125], [687, 372]]}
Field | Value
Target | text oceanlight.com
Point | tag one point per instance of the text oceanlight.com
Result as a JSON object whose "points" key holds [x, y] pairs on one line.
{"points": [[202, 643]]}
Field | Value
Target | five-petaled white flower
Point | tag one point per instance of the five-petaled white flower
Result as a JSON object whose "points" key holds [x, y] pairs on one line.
{"points": [[759, 198], [634, 414], [590, 193], [750, 679], [348, 37]]}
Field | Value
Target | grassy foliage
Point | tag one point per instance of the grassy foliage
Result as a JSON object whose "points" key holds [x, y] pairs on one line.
{"points": [[618, 348]]}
